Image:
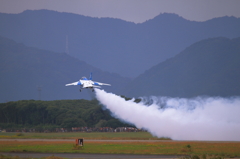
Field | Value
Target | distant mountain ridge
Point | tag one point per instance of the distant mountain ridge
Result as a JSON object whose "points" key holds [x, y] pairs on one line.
{"points": [[113, 45], [24, 70], [207, 68]]}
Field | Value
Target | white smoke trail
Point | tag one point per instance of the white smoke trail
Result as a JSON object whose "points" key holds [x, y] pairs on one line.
{"points": [[179, 118]]}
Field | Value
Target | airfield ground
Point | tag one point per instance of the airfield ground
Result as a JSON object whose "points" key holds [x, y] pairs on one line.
{"points": [[74, 135], [14, 143]]}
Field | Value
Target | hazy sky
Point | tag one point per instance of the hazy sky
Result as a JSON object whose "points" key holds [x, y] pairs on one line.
{"points": [[130, 10]]}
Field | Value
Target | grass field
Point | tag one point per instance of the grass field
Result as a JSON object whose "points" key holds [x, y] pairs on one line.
{"points": [[231, 149], [73, 135], [226, 149]]}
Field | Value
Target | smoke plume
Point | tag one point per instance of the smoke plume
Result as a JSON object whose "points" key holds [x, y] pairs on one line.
{"points": [[209, 118]]}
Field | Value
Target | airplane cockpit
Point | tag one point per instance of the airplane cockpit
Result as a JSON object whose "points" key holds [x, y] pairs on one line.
{"points": [[84, 78]]}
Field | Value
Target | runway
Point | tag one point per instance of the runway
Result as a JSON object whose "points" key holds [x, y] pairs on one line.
{"points": [[90, 156]]}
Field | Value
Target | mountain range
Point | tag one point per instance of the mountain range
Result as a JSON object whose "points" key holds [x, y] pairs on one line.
{"points": [[209, 67], [31, 73], [164, 56], [113, 45]]}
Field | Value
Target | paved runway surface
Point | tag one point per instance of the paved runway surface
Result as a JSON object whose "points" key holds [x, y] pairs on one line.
{"points": [[89, 156]]}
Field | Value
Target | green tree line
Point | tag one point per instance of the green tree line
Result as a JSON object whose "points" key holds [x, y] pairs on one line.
{"points": [[57, 114]]}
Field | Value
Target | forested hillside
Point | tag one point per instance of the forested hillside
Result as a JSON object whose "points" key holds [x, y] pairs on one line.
{"points": [[55, 114], [209, 67], [113, 45]]}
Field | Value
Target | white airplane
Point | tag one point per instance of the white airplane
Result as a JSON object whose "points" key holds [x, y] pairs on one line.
{"points": [[87, 83]]}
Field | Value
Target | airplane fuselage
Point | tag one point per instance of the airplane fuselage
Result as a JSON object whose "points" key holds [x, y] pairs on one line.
{"points": [[87, 83]]}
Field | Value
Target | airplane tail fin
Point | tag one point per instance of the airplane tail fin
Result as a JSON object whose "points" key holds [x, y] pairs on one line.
{"points": [[90, 78]]}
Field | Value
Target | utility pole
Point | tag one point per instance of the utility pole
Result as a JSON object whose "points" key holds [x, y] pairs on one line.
{"points": [[66, 50], [39, 88]]}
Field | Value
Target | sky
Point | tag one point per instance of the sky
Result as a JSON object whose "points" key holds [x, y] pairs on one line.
{"points": [[136, 11]]}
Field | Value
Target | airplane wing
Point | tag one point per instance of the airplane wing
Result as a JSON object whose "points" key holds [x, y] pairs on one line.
{"points": [[96, 86], [74, 83], [99, 83]]}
